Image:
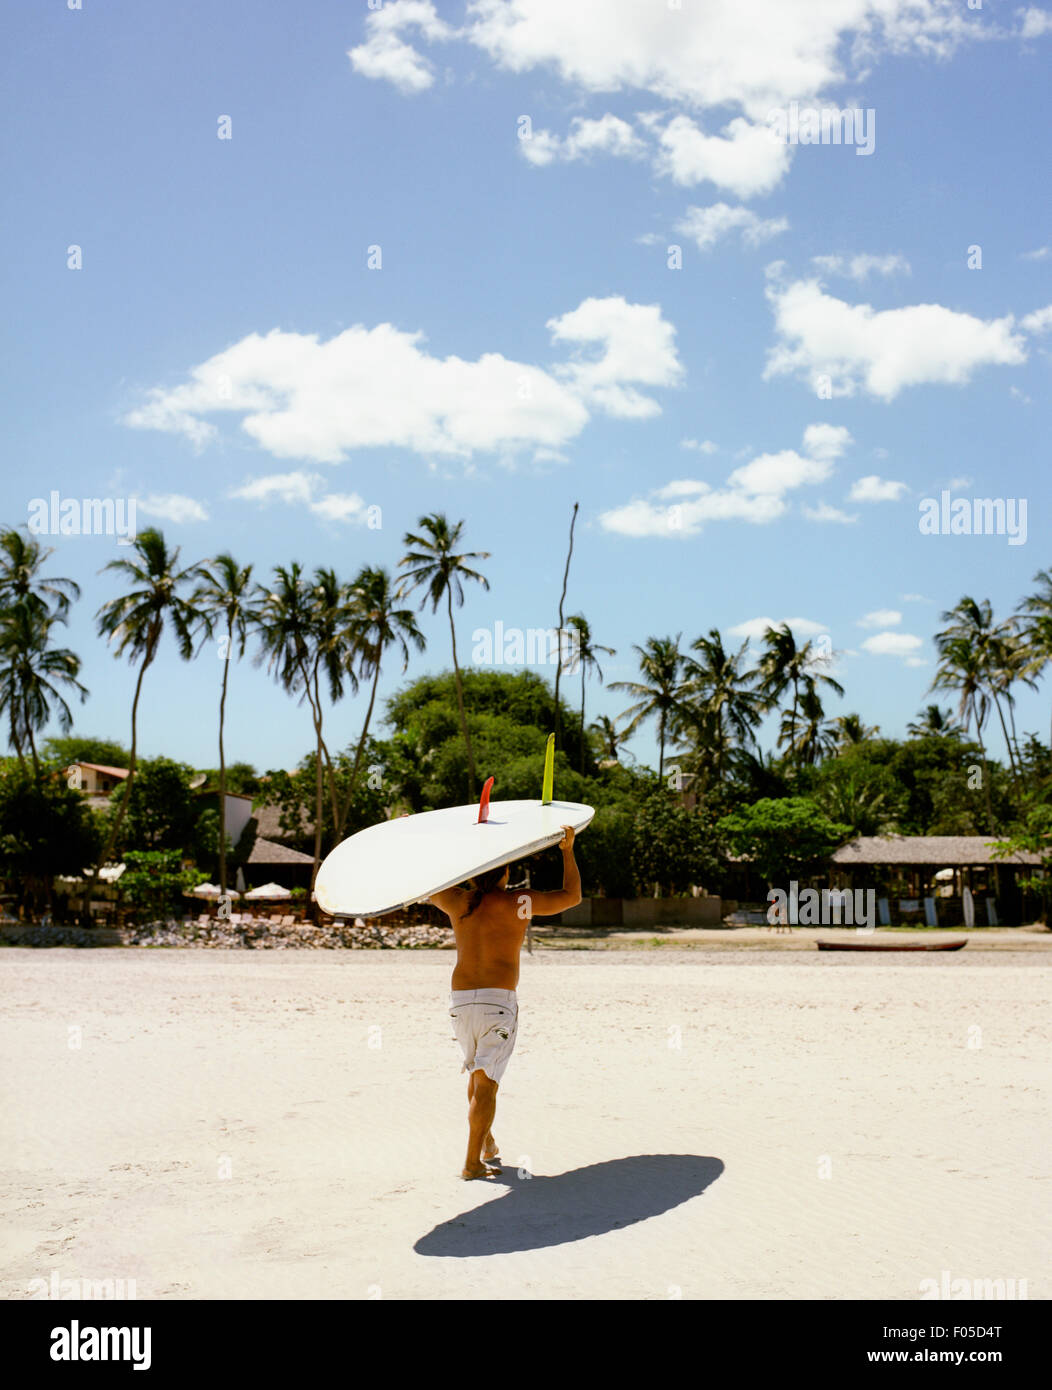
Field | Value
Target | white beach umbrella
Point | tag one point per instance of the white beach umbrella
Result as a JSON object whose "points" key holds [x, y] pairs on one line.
{"points": [[267, 890], [212, 890]]}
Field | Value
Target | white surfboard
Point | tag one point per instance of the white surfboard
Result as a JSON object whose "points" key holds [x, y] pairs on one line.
{"points": [[410, 858]]}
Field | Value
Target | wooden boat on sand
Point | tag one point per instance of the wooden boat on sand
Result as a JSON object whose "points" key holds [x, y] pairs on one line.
{"points": [[891, 946]]}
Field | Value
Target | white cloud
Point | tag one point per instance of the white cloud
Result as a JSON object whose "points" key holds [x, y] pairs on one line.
{"points": [[339, 506], [746, 160], [301, 398], [1034, 22], [386, 57], [607, 135], [754, 628], [703, 446], [301, 488], [754, 492], [172, 506], [1042, 253], [849, 347], [826, 441], [901, 644], [875, 489], [881, 617], [751, 53], [824, 512], [1040, 321], [916, 598], [705, 226], [638, 345], [861, 266]]}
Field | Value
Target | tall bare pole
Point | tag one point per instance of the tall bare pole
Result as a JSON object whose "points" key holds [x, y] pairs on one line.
{"points": [[562, 600]]}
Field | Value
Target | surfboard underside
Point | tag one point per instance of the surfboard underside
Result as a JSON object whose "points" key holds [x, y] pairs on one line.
{"points": [[406, 860]]}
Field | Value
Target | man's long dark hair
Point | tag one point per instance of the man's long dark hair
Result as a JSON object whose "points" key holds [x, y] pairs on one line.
{"points": [[482, 884]]}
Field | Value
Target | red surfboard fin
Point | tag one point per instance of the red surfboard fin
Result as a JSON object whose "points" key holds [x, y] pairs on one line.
{"points": [[484, 802]]}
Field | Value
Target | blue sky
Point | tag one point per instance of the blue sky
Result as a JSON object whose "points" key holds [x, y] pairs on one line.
{"points": [[749, 435]]}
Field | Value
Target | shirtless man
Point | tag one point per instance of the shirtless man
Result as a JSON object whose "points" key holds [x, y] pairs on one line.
{"points": [[489, 924]]}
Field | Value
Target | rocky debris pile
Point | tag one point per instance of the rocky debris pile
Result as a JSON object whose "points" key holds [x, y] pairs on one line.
{"points": [[255, 934]]}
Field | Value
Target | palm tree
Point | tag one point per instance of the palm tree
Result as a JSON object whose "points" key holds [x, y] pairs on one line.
{"points": [[961, 668], [432, 560], [585, 651], [223, 599], [1036, 627], [608, 737], [934, 721], [135, 622], [659, 693], [47, 600], [994, 666], [809, 735], [725, 708], [32, 673], [303, 631], [850, 729], [377, 624], [20, 560], [786, 664]]}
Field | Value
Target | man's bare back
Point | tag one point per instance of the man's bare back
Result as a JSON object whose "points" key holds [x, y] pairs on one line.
{"points": [[489, 927], [489, 938]]}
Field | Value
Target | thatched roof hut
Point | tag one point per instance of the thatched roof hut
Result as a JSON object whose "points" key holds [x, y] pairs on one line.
{"points": [[924, 851]]}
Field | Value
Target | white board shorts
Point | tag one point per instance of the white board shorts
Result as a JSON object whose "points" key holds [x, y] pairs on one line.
{"points": [[485, 1024]]}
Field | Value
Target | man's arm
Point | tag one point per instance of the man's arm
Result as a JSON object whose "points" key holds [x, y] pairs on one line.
{"points": [[569, 895], [448, 901]]}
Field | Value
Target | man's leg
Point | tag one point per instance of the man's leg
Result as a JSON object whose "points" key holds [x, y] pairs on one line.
{"points": [[490, 1148], [483, 1106]]}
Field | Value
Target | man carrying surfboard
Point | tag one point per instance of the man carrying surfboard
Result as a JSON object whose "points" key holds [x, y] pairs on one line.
{"points": [[489, 925]]}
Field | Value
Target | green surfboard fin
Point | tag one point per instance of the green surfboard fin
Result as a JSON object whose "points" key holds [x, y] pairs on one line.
{"points": [[549, 771]]}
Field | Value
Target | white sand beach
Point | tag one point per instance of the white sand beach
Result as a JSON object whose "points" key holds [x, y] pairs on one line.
{"points": [[725, 1124]]}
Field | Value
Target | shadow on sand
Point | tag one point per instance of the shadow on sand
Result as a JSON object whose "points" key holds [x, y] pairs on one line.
{"points": [[537, 1212]]}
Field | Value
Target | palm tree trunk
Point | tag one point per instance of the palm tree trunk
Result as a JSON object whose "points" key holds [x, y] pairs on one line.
{"points": [[33, 751], [661, 750], [1008, 743], [986, 778], [222, 762], [583, 741], [460, 698], [151, 648], [348, 799]]}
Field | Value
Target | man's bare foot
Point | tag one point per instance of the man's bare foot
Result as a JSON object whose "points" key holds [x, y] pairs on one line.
{"points": [[479, 1170], [490, 1147]]}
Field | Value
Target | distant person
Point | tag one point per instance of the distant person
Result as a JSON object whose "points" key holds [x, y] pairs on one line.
{"points": [[489, 924]]}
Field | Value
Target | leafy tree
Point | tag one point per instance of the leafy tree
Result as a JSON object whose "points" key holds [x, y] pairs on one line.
{"points": [[1034, 836], [74, 749], [162, 810], [785, 838], [154, 882], [672, 847], [46, 829]]}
